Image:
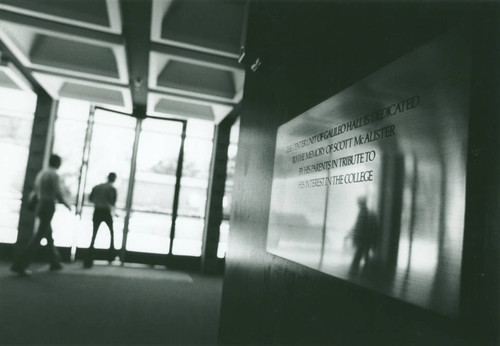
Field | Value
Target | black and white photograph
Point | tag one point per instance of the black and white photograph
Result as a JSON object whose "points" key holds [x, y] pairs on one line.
{"points": [[250, 172]]}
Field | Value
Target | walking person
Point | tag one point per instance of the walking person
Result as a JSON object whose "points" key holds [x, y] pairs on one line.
{"points": [[104, 198], [47, 191]]}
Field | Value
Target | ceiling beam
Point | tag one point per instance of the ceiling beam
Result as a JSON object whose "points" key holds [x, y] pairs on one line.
{"points": [[136, 29]]}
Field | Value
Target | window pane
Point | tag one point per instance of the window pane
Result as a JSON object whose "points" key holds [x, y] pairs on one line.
{"points": [[14, 148], [111, 151], [223, 235], [103, 236], [65, 226], [200, 129], [193, 191], [154, 188], [157, 158], [162, 126], [228, 189], [69, 139], [17, 103], [9, 212], [73, 109], [195, 175], [16, 122], [149, 232], [113, 119], [188, 236]]}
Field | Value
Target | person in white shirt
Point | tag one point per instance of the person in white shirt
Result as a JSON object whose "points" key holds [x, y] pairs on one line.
{"points": [[104, 198], [48, 193]]}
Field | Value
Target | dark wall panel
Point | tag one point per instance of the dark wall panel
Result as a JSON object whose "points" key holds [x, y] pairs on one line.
{"points": [[309, 52]]}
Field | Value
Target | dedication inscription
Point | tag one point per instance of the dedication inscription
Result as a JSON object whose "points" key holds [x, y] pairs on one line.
{"points": [[369, 186]]}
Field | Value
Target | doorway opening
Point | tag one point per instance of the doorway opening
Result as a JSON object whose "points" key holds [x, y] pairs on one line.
{"points": [[163, 172]]}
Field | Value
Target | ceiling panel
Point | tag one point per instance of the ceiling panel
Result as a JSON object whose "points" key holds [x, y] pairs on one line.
{"points": [[109, 96], [184, 109], [73, 55], [208, 26], [179, 107], [101, 15], [209, 78], [54, 51], [198, 79], [176, 58]]}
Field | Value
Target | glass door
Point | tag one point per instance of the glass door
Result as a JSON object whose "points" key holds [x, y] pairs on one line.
{"points": [[16, 121], [152, 211], [163, 171], [110, 150]]}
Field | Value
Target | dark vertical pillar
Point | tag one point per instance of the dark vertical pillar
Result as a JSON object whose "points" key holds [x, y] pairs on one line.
{"points": [[285, 303], [481, 254], [215, 195], [40, 148], [136, 30]]}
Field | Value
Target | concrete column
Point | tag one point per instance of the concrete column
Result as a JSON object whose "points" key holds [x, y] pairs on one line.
{"points": [[215, 195], [40, 149]]}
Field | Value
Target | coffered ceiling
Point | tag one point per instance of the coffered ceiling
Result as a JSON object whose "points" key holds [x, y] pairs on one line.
{"points": [[171, 58]]}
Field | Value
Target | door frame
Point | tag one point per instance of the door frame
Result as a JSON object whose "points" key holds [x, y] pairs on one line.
{"points": [[128, 256]]}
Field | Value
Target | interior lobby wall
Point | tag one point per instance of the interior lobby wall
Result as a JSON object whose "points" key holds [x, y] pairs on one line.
{"points": [[310, 52]]}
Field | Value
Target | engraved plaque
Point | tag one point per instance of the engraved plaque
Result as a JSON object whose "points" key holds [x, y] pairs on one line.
{"points": [[369, 186]]}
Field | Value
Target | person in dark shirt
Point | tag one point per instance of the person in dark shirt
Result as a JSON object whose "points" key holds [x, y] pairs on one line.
{"points": [[48, 192], [104, 198]]}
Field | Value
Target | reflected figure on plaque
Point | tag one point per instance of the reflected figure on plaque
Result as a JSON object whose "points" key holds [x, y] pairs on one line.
{"points": [[364, 238]]}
